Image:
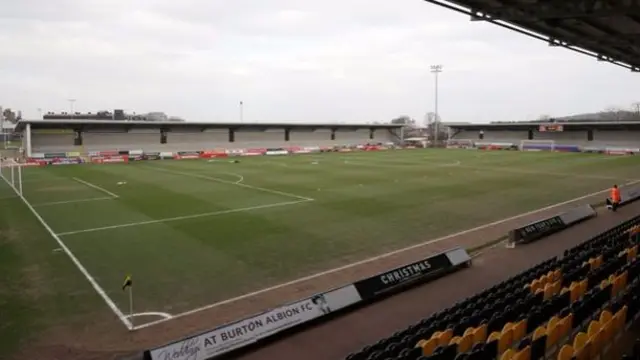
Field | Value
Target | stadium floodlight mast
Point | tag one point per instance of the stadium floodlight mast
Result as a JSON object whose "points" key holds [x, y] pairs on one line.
{"points": [[241, 111], [436, 69], [71, 103]]}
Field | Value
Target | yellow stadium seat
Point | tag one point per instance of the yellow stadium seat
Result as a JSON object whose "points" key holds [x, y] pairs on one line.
{"points": [[548, 291], [539, 332], [524, 354], [565, 353], [469, 330], [520, 330], [584, 284], [580, 341], [494, 336], [544, 280], [535, 285], [429, 347], [575, 291], [465, 343], [552, 335], [505, 341], [507, 355], [480, 334], [553, 321], [445, 337], [455, 340]]}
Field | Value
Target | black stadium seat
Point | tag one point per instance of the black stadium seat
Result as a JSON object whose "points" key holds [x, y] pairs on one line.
{"points": [[569, 307]]}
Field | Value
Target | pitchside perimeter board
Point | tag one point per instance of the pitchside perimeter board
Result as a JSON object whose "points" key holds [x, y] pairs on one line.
{"points": [[236, 335], [551, 225]]}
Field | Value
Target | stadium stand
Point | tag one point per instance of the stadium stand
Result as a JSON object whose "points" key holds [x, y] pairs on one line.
{"points": [[574, 307], [46, 137], [605, 137]]}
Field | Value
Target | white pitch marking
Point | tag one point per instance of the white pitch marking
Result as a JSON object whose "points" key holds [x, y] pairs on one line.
{"points": [[96, 187], [71, 201], [277, 192], [240, 177], [75, 260], [186, 217], [151, 313], [375, 258]]}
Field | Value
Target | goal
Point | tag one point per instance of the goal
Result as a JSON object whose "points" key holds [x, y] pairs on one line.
{"points": [[11, 174], [460, 144], [537, 145]]}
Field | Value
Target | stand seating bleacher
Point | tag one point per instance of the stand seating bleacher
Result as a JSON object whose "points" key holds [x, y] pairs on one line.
{"points": [[574, 307]]}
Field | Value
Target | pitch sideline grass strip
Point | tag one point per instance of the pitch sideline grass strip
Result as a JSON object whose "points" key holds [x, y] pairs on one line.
{"points": [[110, 303], [378, 257]]}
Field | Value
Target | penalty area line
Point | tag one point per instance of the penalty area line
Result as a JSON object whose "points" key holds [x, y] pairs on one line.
{"points": [[96, 187], [185, 217], [110, 303], [372, 259], [237, 183], [71, 201]]}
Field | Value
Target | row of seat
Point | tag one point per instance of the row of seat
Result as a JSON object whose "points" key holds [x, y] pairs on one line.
{"points": [[530, 314]]}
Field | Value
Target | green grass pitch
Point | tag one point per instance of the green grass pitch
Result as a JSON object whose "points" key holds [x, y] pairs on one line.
{"points": [[195, 232]]}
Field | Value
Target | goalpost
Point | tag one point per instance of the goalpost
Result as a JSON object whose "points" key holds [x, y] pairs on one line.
{"points": [[537, 145], [460, 144], [11, 173]]}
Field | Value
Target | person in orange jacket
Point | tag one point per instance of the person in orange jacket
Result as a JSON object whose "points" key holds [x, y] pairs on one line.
{"points": [[615, 197]]}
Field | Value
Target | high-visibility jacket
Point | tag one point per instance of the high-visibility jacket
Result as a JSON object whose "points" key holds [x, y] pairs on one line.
{"points": [[615, 194]]}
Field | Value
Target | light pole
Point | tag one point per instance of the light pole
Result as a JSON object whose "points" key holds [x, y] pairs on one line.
{"points": [[241, 112], [71, 103], [40, 113], [436, 69]]}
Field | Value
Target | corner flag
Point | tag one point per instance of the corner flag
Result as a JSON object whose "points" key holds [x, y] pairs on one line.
{"points": [[127, 282]]}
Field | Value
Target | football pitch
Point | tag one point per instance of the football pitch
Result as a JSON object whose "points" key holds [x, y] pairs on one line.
{"points": [[192, 233]]}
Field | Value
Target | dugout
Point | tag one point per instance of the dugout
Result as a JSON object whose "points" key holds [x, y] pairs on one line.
{"points": [[42, 136]]}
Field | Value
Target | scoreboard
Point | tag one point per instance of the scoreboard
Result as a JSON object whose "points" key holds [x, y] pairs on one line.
{"points": [[550, 128]]}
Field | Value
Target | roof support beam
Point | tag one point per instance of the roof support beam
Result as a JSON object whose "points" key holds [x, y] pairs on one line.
{"points": [[556, 10]]}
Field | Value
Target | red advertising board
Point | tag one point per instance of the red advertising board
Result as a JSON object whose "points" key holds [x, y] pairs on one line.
{"points": [[108, 153], [185, 157], [213, 154], [110, 159], [253, 152]]}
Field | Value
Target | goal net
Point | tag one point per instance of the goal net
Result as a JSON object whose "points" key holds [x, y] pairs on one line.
{"points": [[537, 145], [460, 144]]}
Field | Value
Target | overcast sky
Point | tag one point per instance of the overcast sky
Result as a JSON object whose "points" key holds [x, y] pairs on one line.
{"points": [[289, 60]]}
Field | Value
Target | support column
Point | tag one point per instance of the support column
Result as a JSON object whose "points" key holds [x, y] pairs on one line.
{"points": [[27, 140]]}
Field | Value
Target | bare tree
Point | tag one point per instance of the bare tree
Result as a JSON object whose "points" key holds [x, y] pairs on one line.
{"points": [[404, 120], [9, 115], [612, 113]]}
